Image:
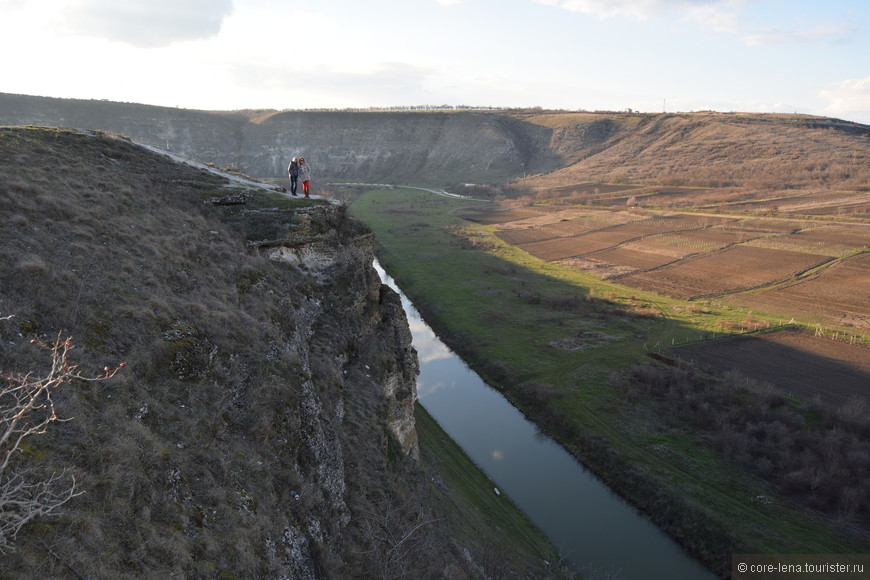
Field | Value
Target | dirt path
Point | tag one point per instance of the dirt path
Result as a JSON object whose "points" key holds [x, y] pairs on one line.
{"points": [[440, 192]]}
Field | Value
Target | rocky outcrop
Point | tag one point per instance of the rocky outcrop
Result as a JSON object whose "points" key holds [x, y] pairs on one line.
{"points": [[340, 259]]}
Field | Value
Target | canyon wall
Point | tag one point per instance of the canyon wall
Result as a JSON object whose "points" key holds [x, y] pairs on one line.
{"points": [[389, 147]]}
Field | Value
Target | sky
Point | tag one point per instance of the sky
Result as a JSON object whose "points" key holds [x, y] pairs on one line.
{"points": [[788, 56]]}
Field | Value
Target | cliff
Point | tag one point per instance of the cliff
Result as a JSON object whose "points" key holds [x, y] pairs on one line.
{"points": [[391, 147], [553, 149], [263, 425]]}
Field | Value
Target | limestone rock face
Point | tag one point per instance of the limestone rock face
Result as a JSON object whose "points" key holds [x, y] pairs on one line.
{"points": [[340, 259], [383, 147], [354, 348]]}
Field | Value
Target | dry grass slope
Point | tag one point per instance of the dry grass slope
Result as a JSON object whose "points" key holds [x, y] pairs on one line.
{"points": [[742, 152]]}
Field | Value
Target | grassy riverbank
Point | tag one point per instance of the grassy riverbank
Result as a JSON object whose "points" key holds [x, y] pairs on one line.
{"points": [[558, 344], [471, 507]]}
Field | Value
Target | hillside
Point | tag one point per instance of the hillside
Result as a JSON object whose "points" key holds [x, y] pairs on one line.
{"points": [[738, 154], [263, 424]]}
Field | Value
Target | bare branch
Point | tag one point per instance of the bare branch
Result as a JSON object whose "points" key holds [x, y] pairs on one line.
{"points": [[27, 408]]}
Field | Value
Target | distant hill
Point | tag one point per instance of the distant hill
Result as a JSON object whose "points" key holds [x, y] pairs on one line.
{"points": [[543, 150], [744, 151]]}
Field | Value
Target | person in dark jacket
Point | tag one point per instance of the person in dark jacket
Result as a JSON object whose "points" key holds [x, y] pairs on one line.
{"points": [[293, 172]]}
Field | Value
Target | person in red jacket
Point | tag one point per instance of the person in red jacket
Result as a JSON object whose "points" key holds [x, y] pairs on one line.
{"points": [[305, 176]]}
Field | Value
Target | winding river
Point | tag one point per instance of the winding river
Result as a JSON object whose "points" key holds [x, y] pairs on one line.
{"points": [[587, 523]]}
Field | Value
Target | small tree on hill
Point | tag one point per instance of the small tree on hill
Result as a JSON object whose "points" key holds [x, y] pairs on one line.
{"points": [[27, 408]]}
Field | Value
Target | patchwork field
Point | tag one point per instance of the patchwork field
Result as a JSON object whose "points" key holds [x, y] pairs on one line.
{"points": [[805, 268], [569, 247], [813, 272]]}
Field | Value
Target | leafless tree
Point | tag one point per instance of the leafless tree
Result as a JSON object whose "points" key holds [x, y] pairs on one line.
{"points": [[27, 408], [399, 546]]}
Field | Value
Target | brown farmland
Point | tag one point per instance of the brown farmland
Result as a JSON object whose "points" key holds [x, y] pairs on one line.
{"points": [[801, 268], [732, 270], [797, 362], [569, 247], [506, 215], [703, 240], [574, 238], [623, 260], [840, 293], [828, 240]]}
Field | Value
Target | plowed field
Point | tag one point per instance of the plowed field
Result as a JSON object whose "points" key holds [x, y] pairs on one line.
{"points": [[635, 258], [505, 216], [561, 248], [731, 270], [704, 240], [701, 255], [829, 240], [795, 362], [839, 292]]}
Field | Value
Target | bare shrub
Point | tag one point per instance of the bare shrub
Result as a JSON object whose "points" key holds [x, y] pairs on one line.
{"points": [[824, 468], [536, 394], [26, 409], [30, 264], [397, 542]]}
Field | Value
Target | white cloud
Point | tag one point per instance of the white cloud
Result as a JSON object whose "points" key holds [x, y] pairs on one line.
{"points": [[321, 85], [641, 9], [849, 98], [821, 32], [148, 24], [429, 347], [727, 16], [717, 16]]}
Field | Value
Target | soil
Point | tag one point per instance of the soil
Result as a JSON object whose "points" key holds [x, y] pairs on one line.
{"points": [[731, 270], [703, 255], [840, 292], [796, 362]]}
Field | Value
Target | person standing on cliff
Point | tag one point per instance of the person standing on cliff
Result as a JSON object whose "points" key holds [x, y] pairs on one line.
{"points": [[305, 176], [293, 172]]}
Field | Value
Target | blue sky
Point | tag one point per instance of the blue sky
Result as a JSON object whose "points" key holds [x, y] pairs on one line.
{"points": [[648, 55]]}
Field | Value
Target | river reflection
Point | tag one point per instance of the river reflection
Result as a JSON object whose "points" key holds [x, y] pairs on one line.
{"points": [[589, 525]]}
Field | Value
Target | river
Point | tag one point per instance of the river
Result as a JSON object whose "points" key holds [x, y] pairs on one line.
{"points": [[588, 524]]}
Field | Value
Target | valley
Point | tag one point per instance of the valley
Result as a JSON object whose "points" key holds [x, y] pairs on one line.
{"points": [[680, 300]]}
